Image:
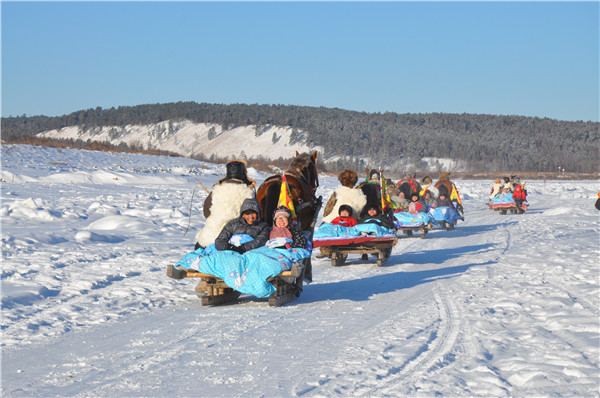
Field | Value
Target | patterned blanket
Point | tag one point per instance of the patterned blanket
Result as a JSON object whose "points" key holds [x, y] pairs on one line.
{"points": [[445, 213], [408, 220], [248, 272], [328, 230]]}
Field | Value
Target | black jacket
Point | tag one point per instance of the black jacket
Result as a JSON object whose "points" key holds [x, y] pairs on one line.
{"points": [[259, 229]]}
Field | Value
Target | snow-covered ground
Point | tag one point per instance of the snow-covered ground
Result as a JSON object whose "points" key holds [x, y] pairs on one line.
{"points": [[501, 306]]}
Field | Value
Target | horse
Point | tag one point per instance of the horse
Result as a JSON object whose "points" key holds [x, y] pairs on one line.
{"points": [[444, 184], [408, 185], [303, 180]]}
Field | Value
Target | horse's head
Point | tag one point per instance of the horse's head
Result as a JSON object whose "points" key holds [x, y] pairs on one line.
{"points": [[306, 165]]}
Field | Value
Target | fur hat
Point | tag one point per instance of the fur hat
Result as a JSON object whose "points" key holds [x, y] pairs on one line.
{"points": [[237, 172], [348, 178], [412, 195], [345, 207], [497, 181], [426, 180]]}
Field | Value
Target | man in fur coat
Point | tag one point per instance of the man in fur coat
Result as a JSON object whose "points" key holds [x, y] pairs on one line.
{"points": [[345, 195], [224, 202]]}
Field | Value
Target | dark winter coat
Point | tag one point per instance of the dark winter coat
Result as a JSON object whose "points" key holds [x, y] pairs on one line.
{"points": [[382, 219], [259, 230], [443, 203]]}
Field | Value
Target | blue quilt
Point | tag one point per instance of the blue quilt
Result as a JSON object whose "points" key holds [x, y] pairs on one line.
{"points": [[407, 220], [500, 198], [445, 213], [328, 230], [248, 272]]}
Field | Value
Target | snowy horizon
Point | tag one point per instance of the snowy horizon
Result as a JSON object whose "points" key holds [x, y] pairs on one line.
{"points": [[504, 305]]}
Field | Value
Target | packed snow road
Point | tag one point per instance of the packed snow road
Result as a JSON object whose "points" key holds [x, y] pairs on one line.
{"points": [[504, 305]]}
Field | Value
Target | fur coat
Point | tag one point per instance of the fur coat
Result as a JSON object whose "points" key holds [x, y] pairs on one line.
{"points": [[225, 206], [352, 197], [496, 189]]}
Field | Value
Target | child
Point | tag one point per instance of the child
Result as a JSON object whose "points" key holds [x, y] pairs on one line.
{"points": [[284, 228], [519, 196], [416, 205], [443, 201], [345, 217]]}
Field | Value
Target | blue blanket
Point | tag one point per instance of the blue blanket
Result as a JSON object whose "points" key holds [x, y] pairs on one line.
{"points": [[328, 230], [501, 198], [445, 213], [248, 272], [407, 220]]}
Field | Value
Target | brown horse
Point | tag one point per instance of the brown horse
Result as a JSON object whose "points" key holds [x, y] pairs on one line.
{"points": [[302, 180], [444, 184]]}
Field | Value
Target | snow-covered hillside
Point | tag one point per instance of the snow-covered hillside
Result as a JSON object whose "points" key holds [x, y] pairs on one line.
{"points": [[501, 306], [191, 139]]}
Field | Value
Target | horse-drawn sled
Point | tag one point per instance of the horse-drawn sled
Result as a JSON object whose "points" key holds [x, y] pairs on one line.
{"points": [[510, 199], [275, 272]]}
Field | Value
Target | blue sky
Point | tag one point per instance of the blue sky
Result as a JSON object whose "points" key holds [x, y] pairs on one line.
{"points": [[515, 58]]}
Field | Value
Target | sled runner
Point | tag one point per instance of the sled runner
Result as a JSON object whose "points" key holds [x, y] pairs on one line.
{"points": [[286, 285], [338, 248], [408, 223], [508, 207]]}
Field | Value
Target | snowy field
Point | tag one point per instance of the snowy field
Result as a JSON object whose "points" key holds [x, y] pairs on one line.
{"points": [[501, 306]]}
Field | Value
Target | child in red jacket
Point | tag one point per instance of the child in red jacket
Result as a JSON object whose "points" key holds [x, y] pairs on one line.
{"points": [[520, 195], [345, 217]]}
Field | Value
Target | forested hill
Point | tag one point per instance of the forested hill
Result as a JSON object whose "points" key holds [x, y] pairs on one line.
{"points": [[481, 142]]}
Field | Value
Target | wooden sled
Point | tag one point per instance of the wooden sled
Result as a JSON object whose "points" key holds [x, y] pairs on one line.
{"points": [[507, 208], [409, 231], [338, 249], [288, 284]]}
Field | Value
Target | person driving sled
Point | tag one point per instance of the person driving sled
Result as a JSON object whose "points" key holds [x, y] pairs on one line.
{"points": [[248, 223]]}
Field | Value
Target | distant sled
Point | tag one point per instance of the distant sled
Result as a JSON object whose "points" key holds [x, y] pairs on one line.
{"points": [[506, 204]]}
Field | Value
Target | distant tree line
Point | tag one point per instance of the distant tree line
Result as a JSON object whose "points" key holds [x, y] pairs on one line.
{"points": [[483, 142]]}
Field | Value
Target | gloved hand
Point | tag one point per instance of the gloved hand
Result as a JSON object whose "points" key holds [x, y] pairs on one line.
{"points": [[234, 248]]}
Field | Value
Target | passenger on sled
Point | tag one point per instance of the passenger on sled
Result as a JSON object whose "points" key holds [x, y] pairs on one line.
{"points": [[519, 196], [372, 214], [345, 218], [285, 234], [248, 223], [443, 201], [416, 205], [428, 199], [496, 188], [401, 201]]}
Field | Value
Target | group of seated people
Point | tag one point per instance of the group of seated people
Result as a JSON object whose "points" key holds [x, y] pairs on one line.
{"points": [[508, 187], [420, 204], [371, 214], [284, 234]]}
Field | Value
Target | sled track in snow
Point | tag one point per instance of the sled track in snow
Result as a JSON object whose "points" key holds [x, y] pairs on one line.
{"points": [[434, 355]]}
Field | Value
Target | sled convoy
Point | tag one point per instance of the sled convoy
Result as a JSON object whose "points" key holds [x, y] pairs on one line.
{"points": [[259, 241]]}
